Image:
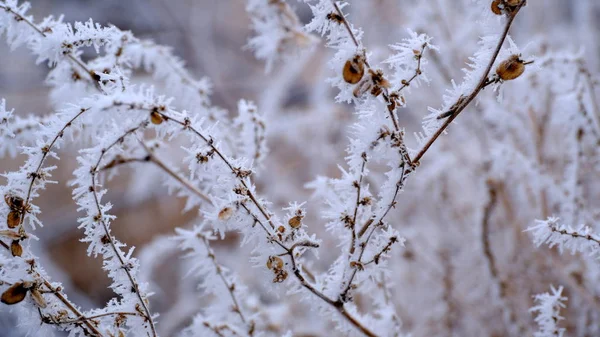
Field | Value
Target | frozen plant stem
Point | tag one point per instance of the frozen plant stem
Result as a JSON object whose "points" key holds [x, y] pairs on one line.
{"points": [[94, 172], [463, 102], [93, 76], [155, 160], [338, 305]]}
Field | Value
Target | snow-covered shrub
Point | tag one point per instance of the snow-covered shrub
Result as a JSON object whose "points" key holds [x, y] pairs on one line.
{"points": [[412, 233]]}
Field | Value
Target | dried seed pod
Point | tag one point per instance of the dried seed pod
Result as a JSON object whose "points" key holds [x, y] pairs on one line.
{"points": [[280, 276], [37, 297], [10, 234], [354, 69], [14, 294], [295, 222], [378, 79], [156, 118], [13, 219], [496, 7], [281, 229], [513, 3], [14, 202], [376, 91], [362, 87], [511, 68], [275, 263], [16, 249], [225, 213]]}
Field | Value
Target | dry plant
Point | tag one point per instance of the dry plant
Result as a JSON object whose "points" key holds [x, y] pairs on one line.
{"points": [[422, 236]]}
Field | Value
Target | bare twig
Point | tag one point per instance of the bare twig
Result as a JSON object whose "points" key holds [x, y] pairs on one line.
{"points": [[464, 101]]}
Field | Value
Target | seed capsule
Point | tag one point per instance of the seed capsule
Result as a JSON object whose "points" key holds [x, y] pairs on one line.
{"points": [[513, 3], [14, 294], [354, 69], [496, 7], [38, 298], [295, 222], [14, 202], [16, 249], [225, 213], [511, 68], [13, 219], [156, 118], [275, 263]]}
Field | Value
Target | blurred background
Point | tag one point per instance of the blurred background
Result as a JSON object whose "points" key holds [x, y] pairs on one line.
{"points": [[211, 35]]}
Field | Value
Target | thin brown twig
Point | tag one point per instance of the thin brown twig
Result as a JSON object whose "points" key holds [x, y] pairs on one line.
{"points": [[158, 162], [463, 101], [339, 306], [230, 286], [92, 74], [93, 173]]}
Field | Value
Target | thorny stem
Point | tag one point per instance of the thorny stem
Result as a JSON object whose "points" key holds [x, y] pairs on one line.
{"points": [[463, 102], [117, 252], [70, 56]]}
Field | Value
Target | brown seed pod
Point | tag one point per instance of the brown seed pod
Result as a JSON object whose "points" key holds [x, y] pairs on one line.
{"points": [[280, 276], [275, 263], [354, 69], [362, 87], [513, 3], [10, 234], [295, 222], [378, 79], [14, 294], [376, 91], [511, 68], [13, 219], [156, 118], [496, 7], [14, 202], [225, 213], [37, 297], [16, 249]]}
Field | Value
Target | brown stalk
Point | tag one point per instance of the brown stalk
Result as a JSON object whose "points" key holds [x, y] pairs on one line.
{"points": [[94, 171], [463, 102], [19, 17]]}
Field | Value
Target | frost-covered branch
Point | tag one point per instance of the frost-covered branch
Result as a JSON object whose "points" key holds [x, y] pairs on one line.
{"points": [[548, 313]]}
